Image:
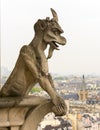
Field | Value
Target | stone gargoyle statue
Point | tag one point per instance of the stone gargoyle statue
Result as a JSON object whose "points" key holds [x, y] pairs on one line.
{"points": [[32, 64]]}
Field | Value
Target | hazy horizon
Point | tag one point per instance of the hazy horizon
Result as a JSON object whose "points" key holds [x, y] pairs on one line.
{"points": [[79, 19]]}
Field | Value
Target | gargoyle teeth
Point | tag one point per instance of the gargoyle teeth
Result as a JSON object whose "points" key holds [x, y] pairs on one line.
{"points": [[55, 45]]}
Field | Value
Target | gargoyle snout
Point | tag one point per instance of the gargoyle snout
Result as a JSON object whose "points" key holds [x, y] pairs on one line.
{"points": [[64, 41]]}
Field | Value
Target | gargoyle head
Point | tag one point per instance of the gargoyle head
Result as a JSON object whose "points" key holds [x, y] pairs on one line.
{"points": [[51, 31]]}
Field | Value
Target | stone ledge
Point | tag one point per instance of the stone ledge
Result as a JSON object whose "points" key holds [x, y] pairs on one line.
{"points": [[6, 102], [23, 113]]}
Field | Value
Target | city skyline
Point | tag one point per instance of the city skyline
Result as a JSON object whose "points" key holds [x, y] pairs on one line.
{"points": [[80, 21]]}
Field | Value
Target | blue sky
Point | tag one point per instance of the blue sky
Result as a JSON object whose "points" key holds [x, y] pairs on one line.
{"points": [[80, 20]]}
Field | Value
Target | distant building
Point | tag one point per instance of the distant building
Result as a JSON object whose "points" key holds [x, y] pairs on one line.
{"points": [[69, 96], [64, 125], [83, 93]]}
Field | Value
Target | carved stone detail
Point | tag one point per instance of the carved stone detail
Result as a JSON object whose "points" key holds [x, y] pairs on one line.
{"points": [[17, 110]]}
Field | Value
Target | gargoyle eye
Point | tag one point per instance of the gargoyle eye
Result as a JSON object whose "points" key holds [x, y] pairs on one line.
{"points": [[56, 31]]}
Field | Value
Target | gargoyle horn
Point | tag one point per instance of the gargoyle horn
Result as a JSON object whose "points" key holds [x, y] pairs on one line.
{"points": [[55, 17]]}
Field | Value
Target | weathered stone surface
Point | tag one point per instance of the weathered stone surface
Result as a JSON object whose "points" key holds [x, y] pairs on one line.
{"points": [[37, 115], [12, 116], [15, 114], [3, 128], [24, 118]]}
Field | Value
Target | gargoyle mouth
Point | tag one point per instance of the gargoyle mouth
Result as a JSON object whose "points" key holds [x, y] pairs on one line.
{"points": [[59, 40], [54, 45]]}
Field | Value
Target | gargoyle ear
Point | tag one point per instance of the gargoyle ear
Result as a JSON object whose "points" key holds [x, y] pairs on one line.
{"points": [[42, 24]]}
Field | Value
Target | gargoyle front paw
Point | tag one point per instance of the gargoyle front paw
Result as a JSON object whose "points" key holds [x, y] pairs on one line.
{"points": [[60, 107]]}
